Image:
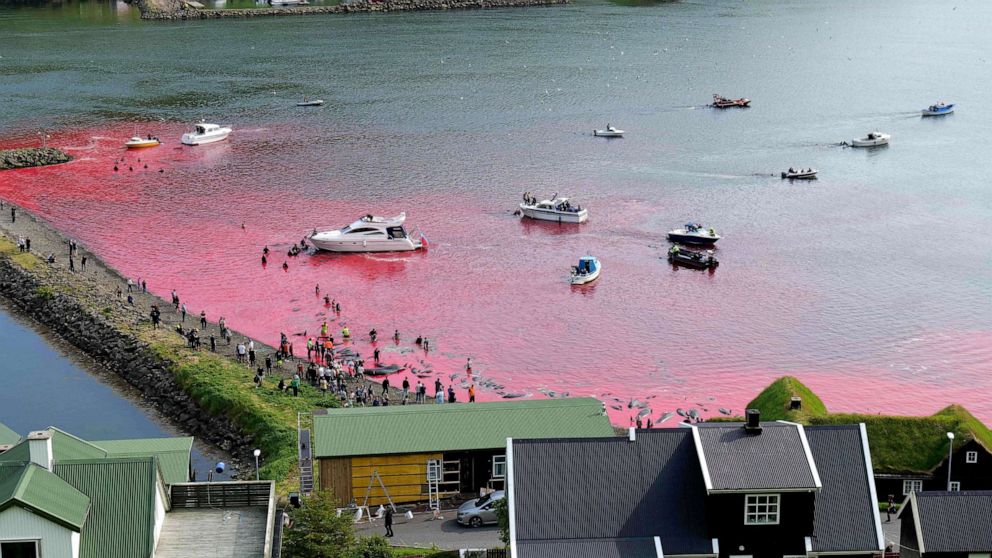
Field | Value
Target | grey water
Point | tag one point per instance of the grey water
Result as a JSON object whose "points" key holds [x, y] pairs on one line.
{"points": [[44, 382]]}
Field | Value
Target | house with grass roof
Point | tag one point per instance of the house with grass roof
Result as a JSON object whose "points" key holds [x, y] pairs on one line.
{"points": [[909, 453], [61, 496]]}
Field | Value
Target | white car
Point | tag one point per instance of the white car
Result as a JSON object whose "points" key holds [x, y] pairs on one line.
{"points": [[476, 513]]}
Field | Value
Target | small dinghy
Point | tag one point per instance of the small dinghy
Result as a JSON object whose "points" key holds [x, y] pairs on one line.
{"points": [[609, 132], [800, 174], [141, 143], [873, 139], [694, 233], [310, 103], [691, 258], [723, 102], [587, 271], [939, 109]]}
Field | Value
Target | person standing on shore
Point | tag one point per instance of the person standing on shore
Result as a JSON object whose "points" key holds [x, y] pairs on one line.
{"points": [[451, 394], [295, 384], [241, 351], [268, 364], [438, 387], [72, 264], [27, 244], [144, 286], [418, 397], [471, 393], [375, 356], [82, 261], [213, 344], [203, 319], [13, 214], [184, 304], [439, 397], [385, 386], [406, 388], [389, 521]]}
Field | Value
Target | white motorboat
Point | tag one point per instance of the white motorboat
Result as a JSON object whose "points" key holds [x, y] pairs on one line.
{"points": [[555, 209], [800, 174], [369, 234], [694, 233], [609, 132], [205, 133], [310, 103], [141, 143], [288, 2], [940, 109], [586, 272], [873, 139]]}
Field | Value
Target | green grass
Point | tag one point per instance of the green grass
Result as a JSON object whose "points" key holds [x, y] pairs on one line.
{"points": [[403, 552], [25, 260], [899, 444]]}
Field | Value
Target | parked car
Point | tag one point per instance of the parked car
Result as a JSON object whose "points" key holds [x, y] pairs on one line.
{"points": [[476, 513]]}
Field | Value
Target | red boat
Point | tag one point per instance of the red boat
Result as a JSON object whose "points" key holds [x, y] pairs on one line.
{"points": [[723, 102]]}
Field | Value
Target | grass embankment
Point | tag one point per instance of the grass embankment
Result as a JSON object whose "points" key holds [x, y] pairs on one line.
{"points": [[25, 260], [899, 444]]}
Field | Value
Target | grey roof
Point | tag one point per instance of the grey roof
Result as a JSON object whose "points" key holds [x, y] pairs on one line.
{"points": [[845, 516], [955, 521], [775, 459], [599, 490], [587, 548]]}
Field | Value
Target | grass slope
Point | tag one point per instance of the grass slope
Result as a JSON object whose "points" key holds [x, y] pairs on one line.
{"points": [[774, 400]]}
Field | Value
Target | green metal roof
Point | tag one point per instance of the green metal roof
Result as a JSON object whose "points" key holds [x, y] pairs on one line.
{"points": [[17, 454], [173, 454], [452, 427], [37, 489], [8, 436], [122, 502], [65, 446]]}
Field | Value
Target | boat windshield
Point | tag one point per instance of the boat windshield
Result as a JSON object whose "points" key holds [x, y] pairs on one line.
{"points": [[396, 232], [201, 130]]}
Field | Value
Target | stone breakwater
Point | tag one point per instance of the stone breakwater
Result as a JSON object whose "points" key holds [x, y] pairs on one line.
{"points": [[178, 10], [121, 353], [32, 157]]}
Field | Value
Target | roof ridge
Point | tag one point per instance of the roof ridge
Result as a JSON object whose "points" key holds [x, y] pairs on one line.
{"points": [[24, 480]]}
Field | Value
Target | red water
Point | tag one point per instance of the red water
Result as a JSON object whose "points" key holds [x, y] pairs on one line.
{"points": [[494, 287]]}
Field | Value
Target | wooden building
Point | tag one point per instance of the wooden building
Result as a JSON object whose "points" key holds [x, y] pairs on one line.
{"points": [[363, 453], [943, 524]]}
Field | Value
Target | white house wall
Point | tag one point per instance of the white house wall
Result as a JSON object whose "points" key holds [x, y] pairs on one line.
{"points": [[18, 524]]}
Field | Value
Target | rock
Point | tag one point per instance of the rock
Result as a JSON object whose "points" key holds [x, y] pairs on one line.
{"points": [[32, 157]]}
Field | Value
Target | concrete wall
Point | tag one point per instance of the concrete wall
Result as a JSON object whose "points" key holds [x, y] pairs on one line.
{"points": [[17, 523]]}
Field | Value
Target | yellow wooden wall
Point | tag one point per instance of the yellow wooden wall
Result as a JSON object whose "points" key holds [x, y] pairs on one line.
{"points": [[405, 476]]}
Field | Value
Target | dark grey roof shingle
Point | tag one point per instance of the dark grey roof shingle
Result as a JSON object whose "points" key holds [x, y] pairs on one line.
{"points": [[845, 514], [587, 548], [772, 460], [612, 488], [956, 521]]}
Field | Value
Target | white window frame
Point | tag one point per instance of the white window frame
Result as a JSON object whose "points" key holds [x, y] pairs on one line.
{"points": [[37, 545], [762, 509], [499, 466], [971, 457], [909, 484], [955, 486]]}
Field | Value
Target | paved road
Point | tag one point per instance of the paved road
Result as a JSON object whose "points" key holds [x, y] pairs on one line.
{"points": [[422, 531]]}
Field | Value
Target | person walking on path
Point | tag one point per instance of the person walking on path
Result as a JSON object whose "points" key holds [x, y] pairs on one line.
{"points": [[389, 521], [889, 508]]}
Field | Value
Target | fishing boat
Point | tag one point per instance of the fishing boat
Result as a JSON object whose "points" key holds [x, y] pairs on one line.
{"points": [[609, 132], [694, 233], [939, 109], [723, 102], [800, 174], [873, 139], [555, 209], [205, 133], [587, 271], [310, 103], [369, 234], [691, 258], [141, 143]]}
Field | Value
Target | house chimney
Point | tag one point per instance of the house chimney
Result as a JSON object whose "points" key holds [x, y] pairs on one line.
{"points": [[753, 424], [796, 403], [40, 448], [631, 434]]}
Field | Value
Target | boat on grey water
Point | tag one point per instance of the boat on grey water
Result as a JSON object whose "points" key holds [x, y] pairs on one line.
{"points": [[694, 233], [205, 133], [873, 139], [555, 209], [310, 102], [723, 102], [800, 174], [587, 271], [939, 109], [369, 234], [691, 258], [609, 132]]}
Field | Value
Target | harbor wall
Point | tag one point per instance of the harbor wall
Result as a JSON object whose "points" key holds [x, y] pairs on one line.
{"points": [[180, 10]]}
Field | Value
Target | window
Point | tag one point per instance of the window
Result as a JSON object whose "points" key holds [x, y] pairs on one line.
{"points": [[499, 466], [910, 486], [955, 486], [761, 509], [971, 457], [986, 555], [19, 549]]}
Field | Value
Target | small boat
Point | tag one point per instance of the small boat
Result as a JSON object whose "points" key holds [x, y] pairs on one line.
{"points": [[691, 258], [205, 133], [800, 174], [693, 233], [555, 209], [288, 2], [939, 109], [723, 102], [310, 103], [141, 143], [609, 132], [587, 271], [369, 234], [873, 139]]}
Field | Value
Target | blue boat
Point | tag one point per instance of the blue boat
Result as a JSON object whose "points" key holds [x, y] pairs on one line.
{"points": [[940, 109], [587, 271]]}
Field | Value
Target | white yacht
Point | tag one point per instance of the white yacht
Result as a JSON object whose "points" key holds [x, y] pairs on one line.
{"points": [[873, 139], [694, 233], [609, 132], [555, 209], [205, 133], [369, 234]]}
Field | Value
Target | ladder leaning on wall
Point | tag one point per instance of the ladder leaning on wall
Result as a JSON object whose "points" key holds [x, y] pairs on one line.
{"points": [[433, 483]]}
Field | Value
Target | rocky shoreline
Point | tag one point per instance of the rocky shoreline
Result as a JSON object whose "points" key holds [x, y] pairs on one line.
{"points": [[32, 157], [182, 10]]}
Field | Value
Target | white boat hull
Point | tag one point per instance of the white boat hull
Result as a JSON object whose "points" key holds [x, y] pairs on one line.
{"points": [[387, 245], [608, 133], [195, 139], [586, 278], [552, 215], [874, 142]]}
